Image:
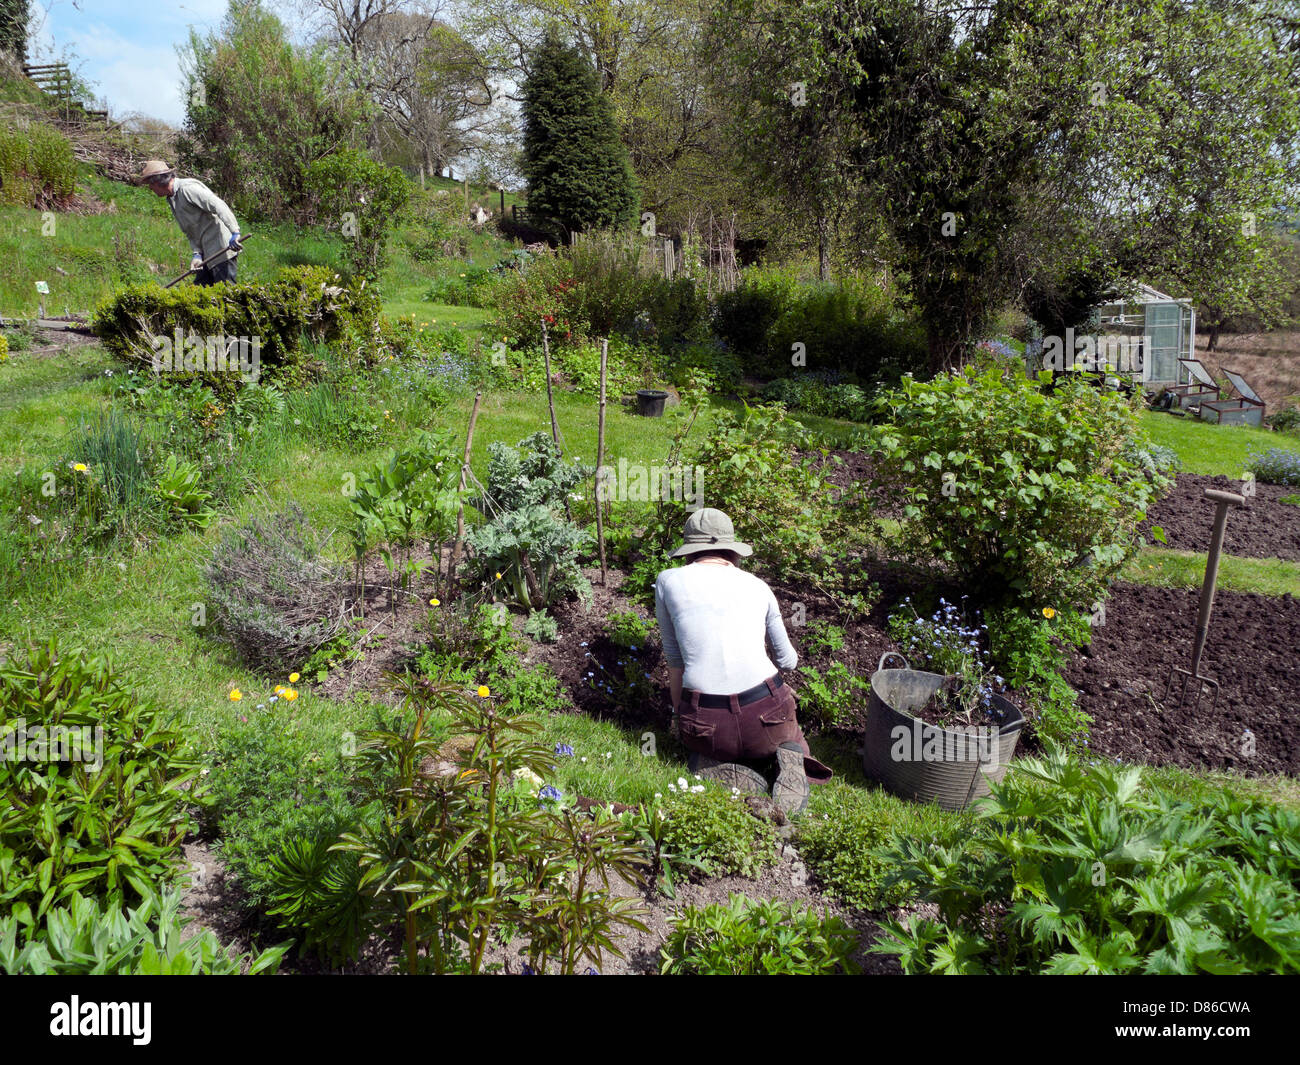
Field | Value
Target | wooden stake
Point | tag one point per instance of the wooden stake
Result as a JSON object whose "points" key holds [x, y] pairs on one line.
{"points": [[550, 397], [454, 561], [600, 462]]}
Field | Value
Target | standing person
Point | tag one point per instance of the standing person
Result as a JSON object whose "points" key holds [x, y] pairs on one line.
{"points": [[735, 712], [203, 217]]}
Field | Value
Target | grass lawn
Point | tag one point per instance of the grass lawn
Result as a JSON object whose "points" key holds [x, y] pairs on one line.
{"points": [[1212, 449], [1186, 569]]}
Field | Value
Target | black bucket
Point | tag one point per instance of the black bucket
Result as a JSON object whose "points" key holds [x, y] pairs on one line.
{"points": [[919, 761], [650, 402]]}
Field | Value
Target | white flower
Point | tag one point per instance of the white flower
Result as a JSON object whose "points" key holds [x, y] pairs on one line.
{"points": [[735, 791], [584, 757], [698, 788], [659, 795], [681, 783], [672, 787], [698, 777]]}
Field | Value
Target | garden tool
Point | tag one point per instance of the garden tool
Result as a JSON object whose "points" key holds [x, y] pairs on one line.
{"points": [[1222, 501], [229, 252]]}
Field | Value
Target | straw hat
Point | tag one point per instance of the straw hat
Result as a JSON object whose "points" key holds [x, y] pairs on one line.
{"points": [[154, 168], [710, 530]]}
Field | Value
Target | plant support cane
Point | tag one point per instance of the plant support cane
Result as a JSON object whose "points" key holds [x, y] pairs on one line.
{"points": [[1222, 501], [600, 462]]}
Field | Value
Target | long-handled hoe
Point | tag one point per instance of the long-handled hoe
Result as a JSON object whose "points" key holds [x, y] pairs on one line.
{"points": [[229, 253]]}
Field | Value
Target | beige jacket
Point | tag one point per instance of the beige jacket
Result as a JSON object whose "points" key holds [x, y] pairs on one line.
{"points": [[203, 217]]}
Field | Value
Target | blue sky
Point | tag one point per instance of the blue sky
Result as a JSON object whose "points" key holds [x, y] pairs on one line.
{"points": [[127, 48]]}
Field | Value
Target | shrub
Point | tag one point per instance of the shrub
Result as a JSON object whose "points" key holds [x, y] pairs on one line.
{"points": [[853, 327], [368, 195], [139, 325], [86, 937], [94, 783], [544, 290], [718, 831], [780, 502], [1049, 525], [629, 630], [1074, 871], [1287, 420], [1277, 466], [830, 698], [764, 938], [470, 287], [272, 594], [820, 394]]}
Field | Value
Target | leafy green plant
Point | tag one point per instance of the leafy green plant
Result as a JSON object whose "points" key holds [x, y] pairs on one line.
{"points": [[178, 488], [758, 938], [94, 781], [542, 627], [716, 829], [1050, 524], [841, 849], [452, 856], [1073, 869], [1277, 466], [1029, 649], [88, 937], [527, 547], [410, 494], [628, 629], [829, 698]]}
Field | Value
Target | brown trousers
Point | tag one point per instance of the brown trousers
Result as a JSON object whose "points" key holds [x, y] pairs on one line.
{"points": [[746, 734]]}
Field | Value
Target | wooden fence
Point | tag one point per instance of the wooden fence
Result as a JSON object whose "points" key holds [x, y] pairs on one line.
{"points": [[55, 80]]}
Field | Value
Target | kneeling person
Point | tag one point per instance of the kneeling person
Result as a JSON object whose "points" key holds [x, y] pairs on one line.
{"points": [[734, 711]]}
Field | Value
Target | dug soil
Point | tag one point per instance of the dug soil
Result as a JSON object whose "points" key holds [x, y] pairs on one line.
{"points": [[1263, 528], [1251, 652]]}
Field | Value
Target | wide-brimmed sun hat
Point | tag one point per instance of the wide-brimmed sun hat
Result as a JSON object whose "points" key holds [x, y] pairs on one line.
{"points": [[710, 530], [153, 168]]}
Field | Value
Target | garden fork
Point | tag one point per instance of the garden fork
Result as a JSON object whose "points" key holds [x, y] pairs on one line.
{"points": [[1222, 501]]}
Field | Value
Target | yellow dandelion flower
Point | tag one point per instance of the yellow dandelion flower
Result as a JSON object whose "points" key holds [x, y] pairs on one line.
{"points": [[435, 602], [277, 689], [483, 691], [498, 576], [293, 678], [80, 467], [236, 695], [291, 694], [1048, 612]]}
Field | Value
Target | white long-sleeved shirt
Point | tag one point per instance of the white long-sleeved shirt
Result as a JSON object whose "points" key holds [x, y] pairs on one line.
{"points": [[203, 217], [713, 620]]}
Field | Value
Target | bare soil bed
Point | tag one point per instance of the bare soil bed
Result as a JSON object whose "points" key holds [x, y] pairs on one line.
{"points": [[1252, 653], [1263, 528]]}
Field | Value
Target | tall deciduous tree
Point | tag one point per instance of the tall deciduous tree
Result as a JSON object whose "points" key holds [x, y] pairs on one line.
{"points": [[576, 166], [1039, 148]]}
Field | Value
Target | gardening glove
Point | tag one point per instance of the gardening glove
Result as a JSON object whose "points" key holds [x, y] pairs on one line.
{"points": [[234, 240], [196, 263]]}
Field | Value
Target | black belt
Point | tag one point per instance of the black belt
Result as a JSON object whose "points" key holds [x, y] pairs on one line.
{"points": [[758, 691]]}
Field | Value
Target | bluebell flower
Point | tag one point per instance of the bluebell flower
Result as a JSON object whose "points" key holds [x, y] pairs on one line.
{"points": [[564, 750], [548, 792]]}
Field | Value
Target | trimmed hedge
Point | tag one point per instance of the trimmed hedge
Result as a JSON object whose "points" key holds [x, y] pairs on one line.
{"points": [[303, 303]]}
